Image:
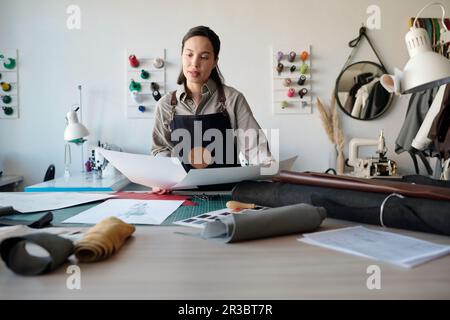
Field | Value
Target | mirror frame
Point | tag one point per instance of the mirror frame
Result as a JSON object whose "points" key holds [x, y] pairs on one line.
{"points": [[336, 96]]}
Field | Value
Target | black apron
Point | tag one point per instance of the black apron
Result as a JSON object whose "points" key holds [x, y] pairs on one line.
{"points": [[219, 121]]}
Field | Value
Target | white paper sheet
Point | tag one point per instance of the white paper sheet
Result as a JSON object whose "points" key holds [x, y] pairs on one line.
{"points": [[43, 201], [198, 177], [379, 245], [166, 172], [149, 171], [128, 210]]}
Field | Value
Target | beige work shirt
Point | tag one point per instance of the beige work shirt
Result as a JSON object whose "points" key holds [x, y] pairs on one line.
{"points": [[253, 147]]}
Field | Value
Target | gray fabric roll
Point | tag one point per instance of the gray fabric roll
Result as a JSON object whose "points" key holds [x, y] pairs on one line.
{"points": [[17, 258], [271, 222]]}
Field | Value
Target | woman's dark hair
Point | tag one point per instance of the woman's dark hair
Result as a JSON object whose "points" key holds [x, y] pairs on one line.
{"points": [[215, 41]]}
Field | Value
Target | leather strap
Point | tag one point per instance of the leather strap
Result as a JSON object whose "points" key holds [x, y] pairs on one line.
{"points": [[173, 101], [354, 44]]}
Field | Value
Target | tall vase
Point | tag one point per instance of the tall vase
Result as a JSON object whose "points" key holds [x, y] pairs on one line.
{"points": [[332, 157], [340, 162]]}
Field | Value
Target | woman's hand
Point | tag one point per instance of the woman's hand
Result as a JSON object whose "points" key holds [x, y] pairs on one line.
{"points": [[159, 190]]}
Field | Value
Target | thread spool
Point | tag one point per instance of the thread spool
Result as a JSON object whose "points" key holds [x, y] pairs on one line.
{"points": [[291, 93], [303, 92], [287, 82], [301, 81], [292, 56]]}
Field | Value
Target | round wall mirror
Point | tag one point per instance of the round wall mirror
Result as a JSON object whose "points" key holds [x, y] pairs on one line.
{"points": [[359, 92]]}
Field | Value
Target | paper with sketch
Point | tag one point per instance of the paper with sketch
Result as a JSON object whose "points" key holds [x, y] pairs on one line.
{"points": [[26, 202], [128, 210], [379, 245], [168, 173]]}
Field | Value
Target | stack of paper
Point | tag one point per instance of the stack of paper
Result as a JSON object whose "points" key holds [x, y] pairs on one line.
{"points": [[379, 245]]}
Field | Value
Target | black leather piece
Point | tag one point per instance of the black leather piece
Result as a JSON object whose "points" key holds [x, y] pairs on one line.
{"points": [[42, 222], [6, 211], [17, 258]]}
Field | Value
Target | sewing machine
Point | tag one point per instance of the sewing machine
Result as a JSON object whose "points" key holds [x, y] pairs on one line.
{"points": [[371, 167], [97, 163]]}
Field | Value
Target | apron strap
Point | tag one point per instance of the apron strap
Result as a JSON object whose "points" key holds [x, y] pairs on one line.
{"points": [[222, 99], [173, 103]]}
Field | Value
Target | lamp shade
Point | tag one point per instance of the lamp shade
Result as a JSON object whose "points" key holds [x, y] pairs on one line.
{"points": [[74, 131], [425, 69]]}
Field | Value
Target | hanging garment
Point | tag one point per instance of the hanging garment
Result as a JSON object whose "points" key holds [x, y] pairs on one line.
{"points": [[440, 129], [376, 102], [351, 98], [433, 27], [361, 97], [419, 104], [421, 141], [359, 81]]}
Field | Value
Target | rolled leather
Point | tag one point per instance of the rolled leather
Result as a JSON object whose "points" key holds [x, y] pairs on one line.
{"points": [[298, 218], [419, 214], [361, 184], [103, 240]]}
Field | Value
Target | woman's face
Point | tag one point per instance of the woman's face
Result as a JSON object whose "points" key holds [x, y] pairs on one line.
{"points": [[198, 59]]}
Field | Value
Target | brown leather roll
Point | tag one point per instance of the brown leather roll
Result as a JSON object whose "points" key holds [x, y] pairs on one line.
{"points": [[103, 240], [361, 184]]}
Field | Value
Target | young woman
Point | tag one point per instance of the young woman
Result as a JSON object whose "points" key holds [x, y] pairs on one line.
{"points": [[204, 107]]}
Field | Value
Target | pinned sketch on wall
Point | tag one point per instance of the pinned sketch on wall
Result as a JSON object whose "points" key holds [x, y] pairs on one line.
{"points": [[9, 91], [291, 80], [145, 81]]}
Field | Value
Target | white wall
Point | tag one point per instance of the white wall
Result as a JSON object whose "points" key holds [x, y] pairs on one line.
{"points": [[54, 60]]}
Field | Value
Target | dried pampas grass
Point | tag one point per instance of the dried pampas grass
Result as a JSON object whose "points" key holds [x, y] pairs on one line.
{"points": [[331, 124], [326, 117]]}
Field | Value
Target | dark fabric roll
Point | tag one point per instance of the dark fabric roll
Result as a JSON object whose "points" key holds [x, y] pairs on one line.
{"points": [[417, 214], [298, 218], [17, 258]]}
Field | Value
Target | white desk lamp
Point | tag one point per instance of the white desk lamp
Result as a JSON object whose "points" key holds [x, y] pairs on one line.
{"points": [[74, 133], [425, 69]]}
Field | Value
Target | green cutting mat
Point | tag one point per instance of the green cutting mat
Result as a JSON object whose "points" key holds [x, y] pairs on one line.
{"points": [[211, 203]]}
